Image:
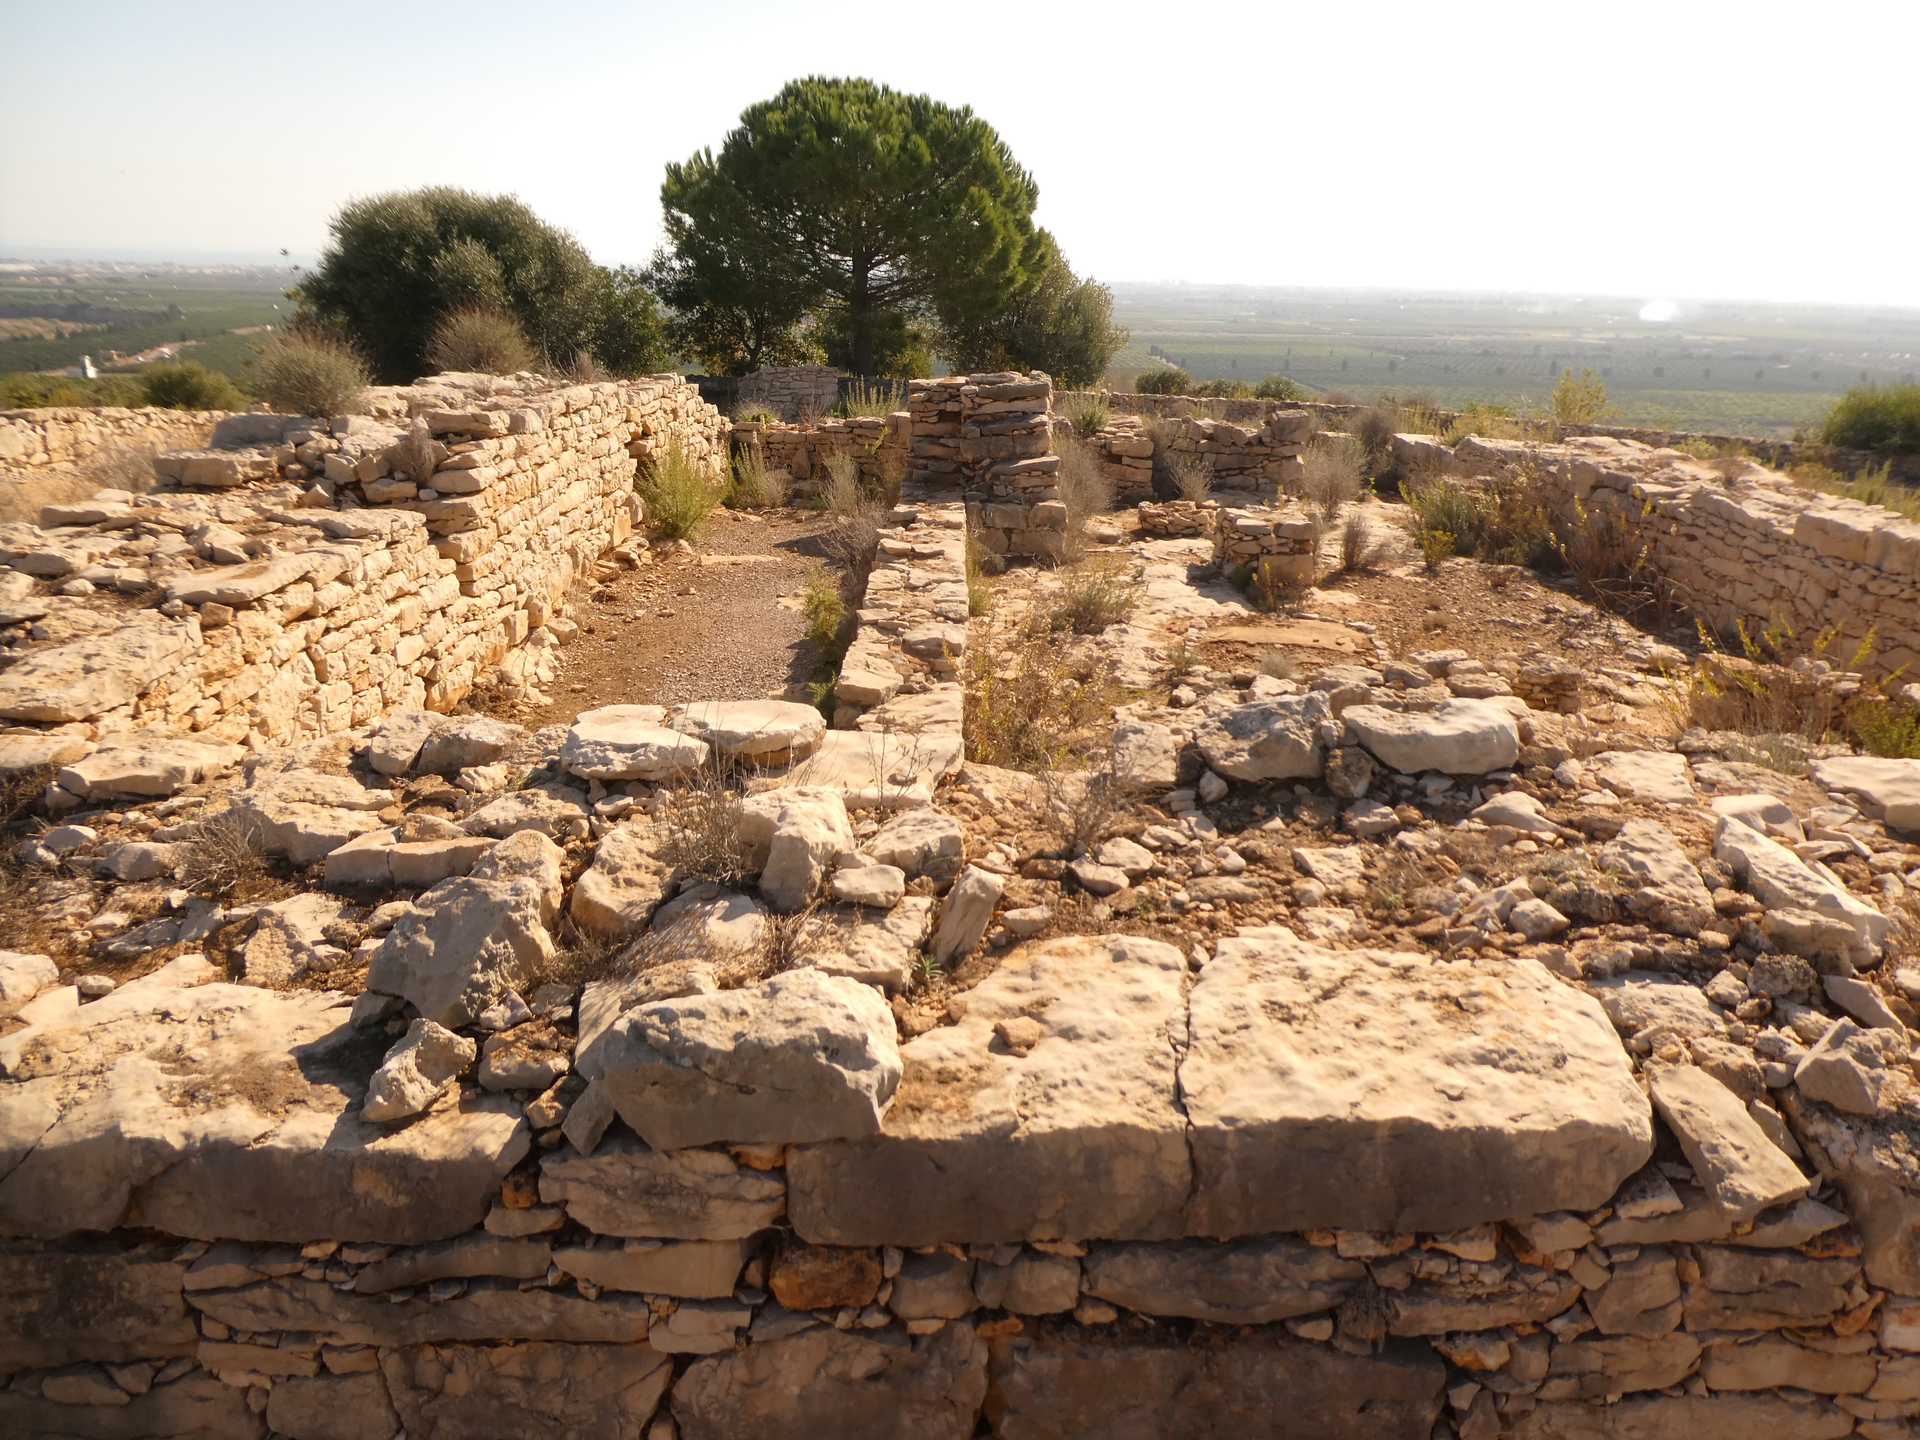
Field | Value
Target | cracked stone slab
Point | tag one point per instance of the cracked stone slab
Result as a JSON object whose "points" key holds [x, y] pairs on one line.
{"points": [[222, 1111], [1371, 1090], [1077, 1136]]}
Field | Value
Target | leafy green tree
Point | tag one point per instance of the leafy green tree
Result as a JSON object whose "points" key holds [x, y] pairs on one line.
{"points": [[850, 193], [1165, 380], [630, 336], [1055, 322], [399, 263], [189, 385], [728, 315], [903, 343]]}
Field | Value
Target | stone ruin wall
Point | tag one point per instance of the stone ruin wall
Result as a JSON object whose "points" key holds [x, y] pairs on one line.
{"points": [[877, 446], [65, 437], [1752, 550], [306, 578], [990, 437], [798, 394]]}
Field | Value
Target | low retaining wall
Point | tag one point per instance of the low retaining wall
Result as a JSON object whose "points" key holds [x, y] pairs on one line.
{"points": [[1260, 458], [64, 436], [308, 583], [1753, 550], [799, 394], [876, 445]]}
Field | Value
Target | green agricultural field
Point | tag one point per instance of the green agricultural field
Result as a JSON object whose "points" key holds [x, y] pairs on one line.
{"points": [[1754, 370], [140, 311]]}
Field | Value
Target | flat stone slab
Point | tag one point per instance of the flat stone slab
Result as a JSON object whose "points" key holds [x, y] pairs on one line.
{"points": [[1732, 1157], [223, 1111], [1460, 737], [1076, 1136], [629, 742], [1887, 788], [1370, 1090], [85, 678], [759, 730], [1656, 775]]}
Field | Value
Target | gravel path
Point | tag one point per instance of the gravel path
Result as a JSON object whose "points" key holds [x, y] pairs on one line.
{"points": [[724, 623]]}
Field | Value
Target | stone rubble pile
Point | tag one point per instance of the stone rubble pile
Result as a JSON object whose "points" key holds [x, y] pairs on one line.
{"points": [[1178, 519], [305, 578]]}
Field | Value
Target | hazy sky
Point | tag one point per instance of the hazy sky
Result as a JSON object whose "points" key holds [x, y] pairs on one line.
{"points": [[1707, 148]]}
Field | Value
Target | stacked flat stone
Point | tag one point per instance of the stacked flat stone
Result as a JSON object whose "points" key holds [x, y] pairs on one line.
{"points": [[798, 394], [1755, 550], [1178, 519], [309, 580], [877, 445], [991, 436], [1280, 542], [60, 437]]}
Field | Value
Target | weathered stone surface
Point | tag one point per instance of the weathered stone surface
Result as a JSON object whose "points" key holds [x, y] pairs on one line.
{"points": [[938, 1286], [1656, 775], [1876, 1162], [854, 1385], [1887, 788], [624, 1188], [1029, 1284], [688, 1269], [1280, 739], [1459, 737], [237, 1117], [305, 815], [1684, 1417], [1468, 1300], [920, 842], [965, 914], [1769, 1362], [468, 740], [1249, 1282], [764, 731], [423, 1063], [1732, 1157], [619, 892], [1665, 888], [1146, 1387], [484, 1310], [1783, 881], [803, 1056], [568, 1392], [464, 1257], [806, 830], [130, 767], [825, 1277], [1765, 1290], [629, 742], [91, 1300], [1078, 1137], [465, 941], [197, 1406], [1851, 1068], [1597, 1368], [551, 807], [86, 678], [331, 1407], [22, 977], [1475, 1094], [395, 743]]}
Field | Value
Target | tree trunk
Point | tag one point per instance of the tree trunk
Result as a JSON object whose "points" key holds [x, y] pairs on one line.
{"points": [[860, 321]]}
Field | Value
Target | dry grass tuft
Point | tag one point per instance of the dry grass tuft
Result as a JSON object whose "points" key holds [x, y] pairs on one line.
{"points": [[1335, 474], [1027, 706], [1091, 598], [701, 834], [1361, 549], [223, 857]]}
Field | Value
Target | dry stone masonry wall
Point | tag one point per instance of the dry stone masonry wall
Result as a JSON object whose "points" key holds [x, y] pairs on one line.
{"points": [[63, 436], [991, 436], [876, 446], [322, 575], [798, 394]]}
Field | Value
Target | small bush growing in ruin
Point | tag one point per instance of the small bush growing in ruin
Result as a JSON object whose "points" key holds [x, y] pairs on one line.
{"points": [[189, 385], [854, 516], [1028, 707], [584, 369], [871, 399], [1092, 598], [701, 830], [308, 373], [1279, 664], [754, 413], [1164, 380], [755, 486], [1436, 546], [1503, 519], [223, 856], [1089, 415], [1875, 417], [1334, 476], [1496, 422], [1083, 806], [1084, 489], [981, 564], [1279, 387], [479, 339], [1579, 399], [1361, 550], [1869, 487], [678, 498], [1373, 429], [1270, 585]]}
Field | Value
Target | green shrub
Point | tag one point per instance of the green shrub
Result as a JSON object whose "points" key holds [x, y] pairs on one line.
{"points": [[188, 385], [1164, 380], [678, 498], [1279, 387], [1885, 727], [23, 390], [1374, 429], [303, 373], [1503, 520], [1875, 417], [871, 400], [1092, 598], [479, 339], [1579, 400], [754, 414], [1869, 487], [755, 487], [1223, 390], [1089, 415]]}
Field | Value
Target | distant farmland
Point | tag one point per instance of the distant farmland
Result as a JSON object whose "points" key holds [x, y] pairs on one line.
{"points": [[1756, 370]]}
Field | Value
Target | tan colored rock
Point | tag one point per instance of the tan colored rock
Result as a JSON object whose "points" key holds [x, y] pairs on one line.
{"points": [[1297, 1052], [1734, 1160], [624, 1188]]}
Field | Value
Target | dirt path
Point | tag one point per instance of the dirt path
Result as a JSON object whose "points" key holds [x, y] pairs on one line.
{"points": [[724, 623]]}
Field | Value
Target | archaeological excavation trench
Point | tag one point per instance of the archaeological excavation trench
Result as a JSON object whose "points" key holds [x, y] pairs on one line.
{"points": [[1180, 981]]}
